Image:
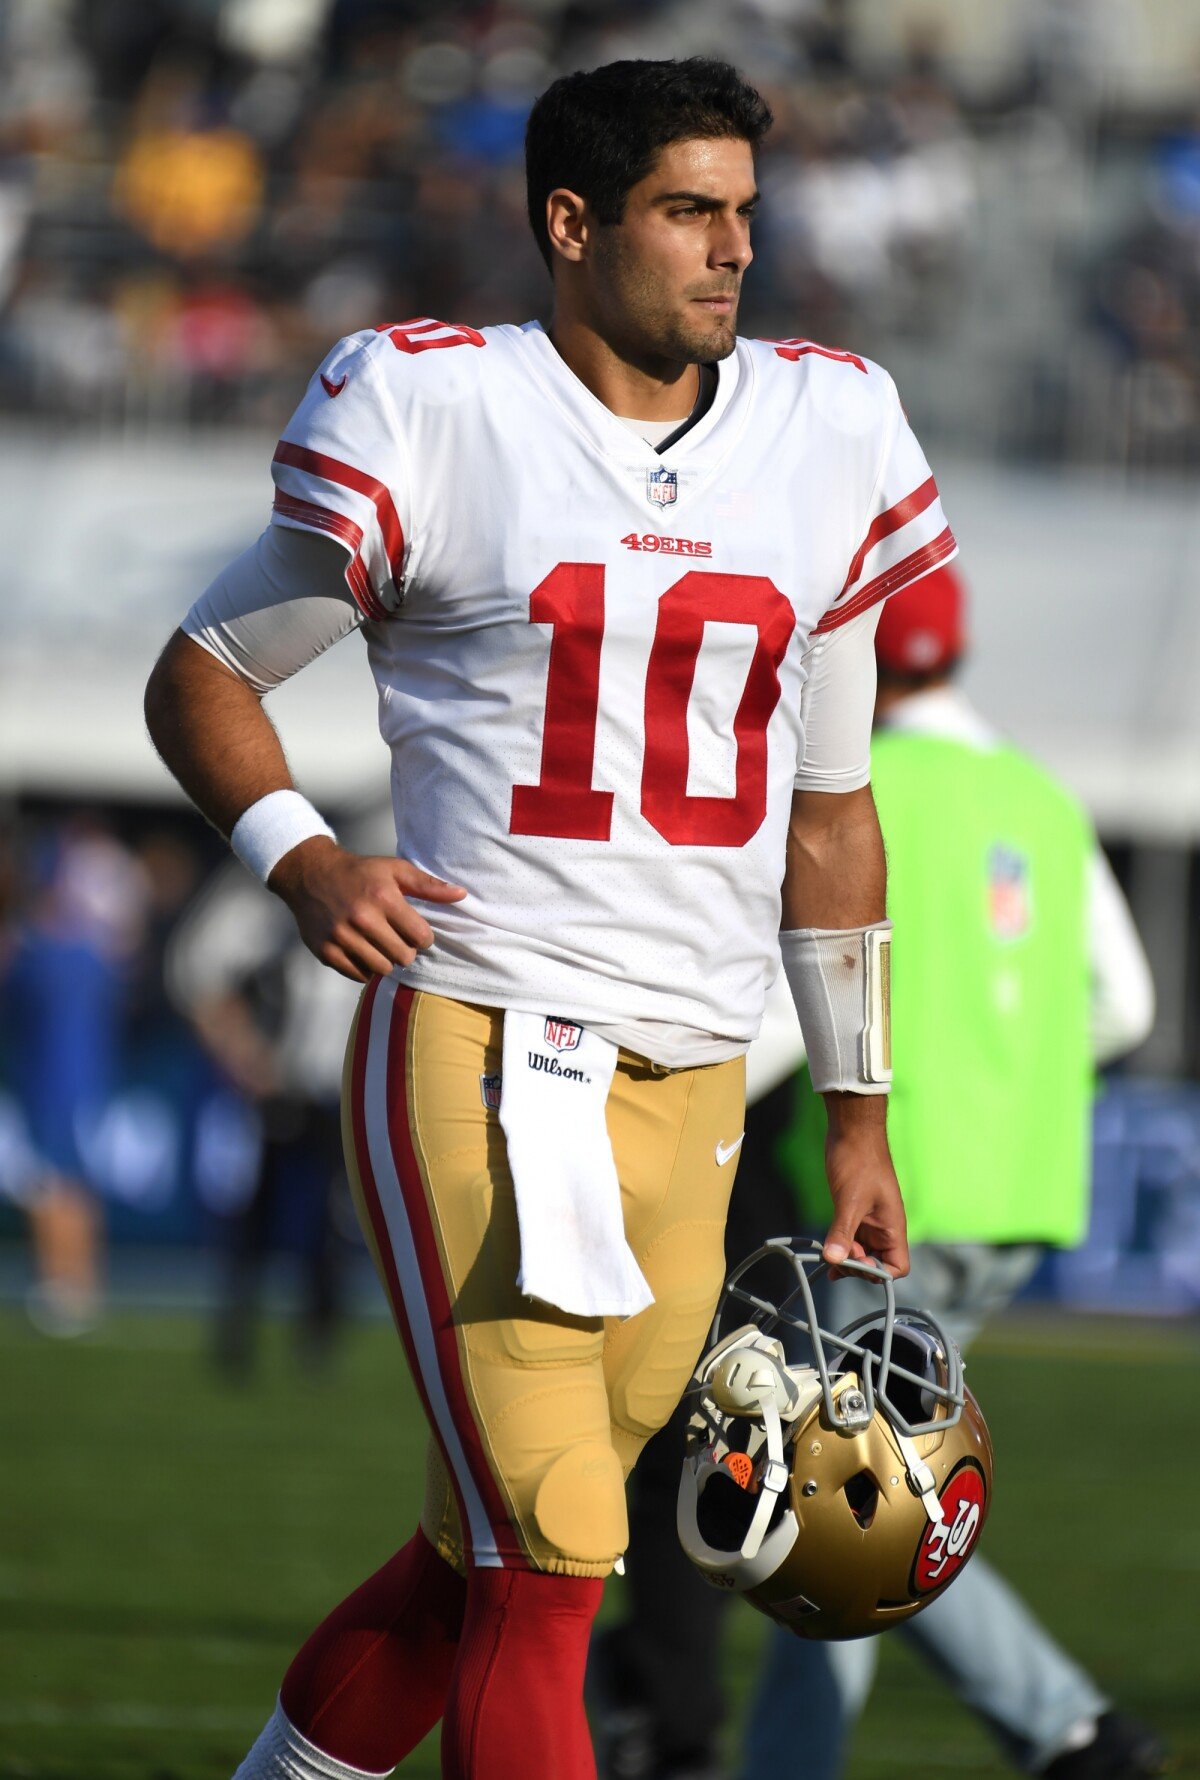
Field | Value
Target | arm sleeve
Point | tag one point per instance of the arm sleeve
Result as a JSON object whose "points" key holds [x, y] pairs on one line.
{"points": [[837, 706], [341, 470], [276, 608], [904, 533], [1122, 1006]]}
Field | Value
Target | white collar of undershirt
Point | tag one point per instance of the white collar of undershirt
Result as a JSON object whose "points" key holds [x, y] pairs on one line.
{"points": [[653, 431], [942, 711]]}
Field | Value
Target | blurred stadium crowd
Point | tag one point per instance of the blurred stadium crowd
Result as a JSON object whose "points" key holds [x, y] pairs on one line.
{"points": [[197, 196]]}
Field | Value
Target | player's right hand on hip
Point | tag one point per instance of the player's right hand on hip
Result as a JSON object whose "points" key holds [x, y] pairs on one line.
{"points": [[353, 910]]}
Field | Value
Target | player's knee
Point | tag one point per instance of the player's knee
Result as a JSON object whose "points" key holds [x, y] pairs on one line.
{"points": [[579, 1508], [552, 1449]]}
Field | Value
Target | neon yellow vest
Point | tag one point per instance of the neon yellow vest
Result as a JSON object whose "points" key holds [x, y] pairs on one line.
{"points": [[987, 886]]}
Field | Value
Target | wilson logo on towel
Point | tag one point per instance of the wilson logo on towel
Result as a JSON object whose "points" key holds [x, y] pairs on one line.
{"points": [[552, 1066]]}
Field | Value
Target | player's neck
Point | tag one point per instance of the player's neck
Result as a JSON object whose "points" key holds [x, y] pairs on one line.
{"points": [[638, 389]]}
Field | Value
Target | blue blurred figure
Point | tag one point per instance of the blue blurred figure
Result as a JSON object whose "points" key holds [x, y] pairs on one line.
{"points": [[64, 983]]}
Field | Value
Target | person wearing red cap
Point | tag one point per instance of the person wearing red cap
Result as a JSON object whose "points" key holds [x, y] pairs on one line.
{"points": [[921, 633], [1020, 967]]}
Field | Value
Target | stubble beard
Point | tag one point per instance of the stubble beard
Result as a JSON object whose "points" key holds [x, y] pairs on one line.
{"points": [[655, 323], [700, 343], [660, 331]]}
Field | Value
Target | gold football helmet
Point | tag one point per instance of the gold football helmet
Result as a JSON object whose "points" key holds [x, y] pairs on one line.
{"points": [[837, 1480]]}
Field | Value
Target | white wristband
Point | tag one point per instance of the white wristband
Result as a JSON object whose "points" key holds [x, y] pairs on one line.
{"points": [[272, 827], [841, 983]]}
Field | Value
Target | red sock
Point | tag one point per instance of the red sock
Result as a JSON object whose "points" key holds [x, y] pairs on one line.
{"points": [[516, 1699], [372, 1679]]}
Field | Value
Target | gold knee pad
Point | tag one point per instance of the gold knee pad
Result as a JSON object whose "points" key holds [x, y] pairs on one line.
{"points": [[579, 1507], [549, 1435], [571, 1509]]}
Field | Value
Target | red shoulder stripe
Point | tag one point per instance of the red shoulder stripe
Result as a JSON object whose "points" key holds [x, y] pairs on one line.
{"points": [[909, 568], [331, 469], [888, 522]]}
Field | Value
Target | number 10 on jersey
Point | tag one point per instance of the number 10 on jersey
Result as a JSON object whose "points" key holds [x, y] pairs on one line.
{"points": [[564, 804]]}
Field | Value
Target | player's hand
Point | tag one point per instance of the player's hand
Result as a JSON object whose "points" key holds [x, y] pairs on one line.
{"points": [[868, 1212], [353, 910]]}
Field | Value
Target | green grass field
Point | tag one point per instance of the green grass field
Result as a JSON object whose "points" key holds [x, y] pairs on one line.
{"points": [[165, 1542]]}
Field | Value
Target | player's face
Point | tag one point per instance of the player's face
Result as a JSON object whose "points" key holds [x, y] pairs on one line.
{"points": [[665, 280]]}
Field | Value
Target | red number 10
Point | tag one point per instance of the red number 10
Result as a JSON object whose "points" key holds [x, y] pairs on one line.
{"points": [[563, 803]]}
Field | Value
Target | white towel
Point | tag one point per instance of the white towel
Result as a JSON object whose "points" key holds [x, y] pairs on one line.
{"points": [[573, 1249]]}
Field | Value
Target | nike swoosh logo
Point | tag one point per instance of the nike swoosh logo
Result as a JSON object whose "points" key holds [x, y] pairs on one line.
{"points": [[333, 389], [727, 1151]]}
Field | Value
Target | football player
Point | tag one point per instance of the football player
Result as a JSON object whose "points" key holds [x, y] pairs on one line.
{"points": [[618, 577]]}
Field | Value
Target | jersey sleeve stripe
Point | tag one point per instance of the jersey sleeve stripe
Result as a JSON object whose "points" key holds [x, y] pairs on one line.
{"points": [[331, 469], [888, 522], [308, 514], [909, 568]]}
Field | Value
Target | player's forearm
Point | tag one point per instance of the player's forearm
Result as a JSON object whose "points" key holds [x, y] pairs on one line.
{"points": [[836, 873], [836, 878], [212, 733]]}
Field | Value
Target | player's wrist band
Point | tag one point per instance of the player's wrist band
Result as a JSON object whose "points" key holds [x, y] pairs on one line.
{"points": [[841, 983], [272, 827]]}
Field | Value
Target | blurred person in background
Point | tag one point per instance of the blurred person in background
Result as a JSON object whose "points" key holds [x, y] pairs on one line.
{"points": [[187, 181], [1020, 972], [274, 1022], [64, 979], [1021, 969]]}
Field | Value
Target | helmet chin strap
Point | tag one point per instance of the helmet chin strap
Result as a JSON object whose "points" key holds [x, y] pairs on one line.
{"points": [[921, 1480], [775, 1475]]}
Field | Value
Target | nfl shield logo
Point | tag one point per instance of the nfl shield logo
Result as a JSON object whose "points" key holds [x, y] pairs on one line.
{"points": [[1009, 902], [489, 1088], [662, 487], [561, 1035]]}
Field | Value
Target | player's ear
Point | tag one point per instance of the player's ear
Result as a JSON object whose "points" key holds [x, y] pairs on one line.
{"points": [[568, 223]]}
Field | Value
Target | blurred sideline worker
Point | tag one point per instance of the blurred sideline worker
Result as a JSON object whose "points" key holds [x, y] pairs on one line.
{"points": [[64, 982], [274, 1021], [609, 574], [1020, 968]]}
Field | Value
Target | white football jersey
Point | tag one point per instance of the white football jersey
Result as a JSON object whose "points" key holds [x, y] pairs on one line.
{"points": [[589, 654]]}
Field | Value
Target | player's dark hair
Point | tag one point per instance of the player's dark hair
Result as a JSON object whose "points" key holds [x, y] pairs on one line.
{"points": [[599, 133]]}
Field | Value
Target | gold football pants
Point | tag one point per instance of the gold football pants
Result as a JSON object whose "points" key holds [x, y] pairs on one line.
{"points": [[537, 1417]]}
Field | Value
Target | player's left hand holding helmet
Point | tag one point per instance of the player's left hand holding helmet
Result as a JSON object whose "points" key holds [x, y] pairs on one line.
{"points": [[841, 1482]]}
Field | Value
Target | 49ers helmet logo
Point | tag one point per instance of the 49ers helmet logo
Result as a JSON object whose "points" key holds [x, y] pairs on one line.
{"points": [[948, 1543]]}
